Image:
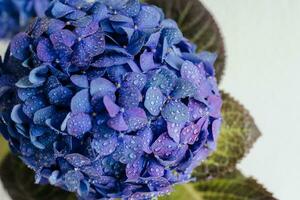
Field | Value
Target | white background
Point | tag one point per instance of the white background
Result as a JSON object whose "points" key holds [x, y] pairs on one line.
{"points": [[263, 72]]}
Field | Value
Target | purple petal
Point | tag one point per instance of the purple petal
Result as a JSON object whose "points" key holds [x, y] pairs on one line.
{"points": [[94, 45], [45, 50], [133, 66], [146, 61], [79, 124], [112, 108], [192, 73], [147, 137], [209, 59], [136, 118], [64, 36], [134, 170], [81, 102], [174, 130], [55, 25], [137, 79], [80, 81], [215, 105], [154, 101], [155, 169], [190, 134], [109, 60], [118, 123], [197, 110], [102, 85]]}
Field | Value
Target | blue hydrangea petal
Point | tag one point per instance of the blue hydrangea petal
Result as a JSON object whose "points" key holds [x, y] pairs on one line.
{"points": [[148, 17], [60, 96], [121, 19], [132, 8], [80, 4], [175, 112], [174, 130], [33, 104], [25, 93], [116, 73], [19, 46], [72, 180], [163, 79], [183, 89], [212, 137], [38, 75], [147, 61], [77, 160], [118, 123], [97, 100], [55, 25], [209, 59], [94, 45], [153, 40], [81, 102], [136, 43], [164, 147], [80, 81], [105, 145], [129, 97], [109, 60], [159, 184], [17, 114], [112, 108], [64, 36], [174, 60], [99, 11], [59, 9], [155, 169], [79, 124], [136, 118], [129, 150], [134, 170], [134, 78], [172, 35], [45, 50], [102, 85], [133, 66], [147, 135], [43, 114], [88, 30], [154, 101]]}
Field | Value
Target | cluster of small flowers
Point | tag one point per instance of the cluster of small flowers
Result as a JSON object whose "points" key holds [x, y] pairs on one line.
{"points": [[109, 100]]}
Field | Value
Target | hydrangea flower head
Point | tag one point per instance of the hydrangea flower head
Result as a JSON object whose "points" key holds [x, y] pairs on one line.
{"points": [[109, 100], [16, 14]]}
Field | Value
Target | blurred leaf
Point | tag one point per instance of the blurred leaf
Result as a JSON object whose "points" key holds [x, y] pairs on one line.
{"points": [[18, 181], [238, 134], [4, 149], [231, 187], [198, 25]]}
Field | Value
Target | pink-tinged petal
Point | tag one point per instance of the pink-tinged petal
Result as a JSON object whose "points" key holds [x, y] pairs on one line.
{"points": [[197, 109], [136, 118], [134, 170], [118, 123], [174, 130], [190, 134], [191, 72], [215, 106], [112, 108]]}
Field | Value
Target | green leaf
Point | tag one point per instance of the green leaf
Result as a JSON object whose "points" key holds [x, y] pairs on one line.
{"points": [[4, 149], [238, 134], [198, 25], [231, 187], [18, 181]]}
